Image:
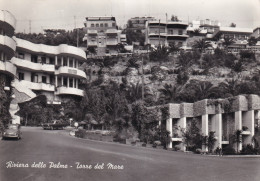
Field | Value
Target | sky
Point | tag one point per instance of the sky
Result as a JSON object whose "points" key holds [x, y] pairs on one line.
{"points": [[67, 14]]}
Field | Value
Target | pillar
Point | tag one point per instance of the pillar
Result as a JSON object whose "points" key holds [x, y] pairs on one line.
{"points": [[77, 63], [73, 82], [56, 60], [205, 129], [217, 127], [73, 63], [169, 128], [183, 125], [62, 61], [56, 80], [249, 121], [77, 83], [238, 125], [68, 82], [62, 80], [68, 61]]}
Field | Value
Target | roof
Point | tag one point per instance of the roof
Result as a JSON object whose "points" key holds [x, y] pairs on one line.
{"points": [[101, 18], [234, 29]]}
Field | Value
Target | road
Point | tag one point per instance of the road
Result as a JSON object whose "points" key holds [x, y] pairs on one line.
{"points": [[58, 149]]}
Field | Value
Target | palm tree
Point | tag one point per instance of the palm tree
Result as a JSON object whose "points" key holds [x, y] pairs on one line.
{"points": [[91, 50], [202, 45], [160, 54], [201, 90], [132, 63], [227, 42], [173, 47], [237, 138], [169, 93], [229, 88]]}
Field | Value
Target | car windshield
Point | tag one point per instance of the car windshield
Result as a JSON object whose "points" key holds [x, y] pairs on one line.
{"points": [[12, 127]]}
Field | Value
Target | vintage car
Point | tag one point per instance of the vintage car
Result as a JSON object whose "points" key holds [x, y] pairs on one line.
{"points": [[12, 131]]}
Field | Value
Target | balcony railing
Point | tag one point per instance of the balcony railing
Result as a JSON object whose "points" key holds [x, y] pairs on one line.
{"points": [[8, 68], [33, 66], [109, 42], [92, 43], [38, 86], [9, 45], [69, 90], [8, 18], [69, 71]]}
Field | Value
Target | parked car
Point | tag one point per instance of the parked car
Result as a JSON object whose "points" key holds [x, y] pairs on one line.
{"points": [[56, 124], [12, 131]]}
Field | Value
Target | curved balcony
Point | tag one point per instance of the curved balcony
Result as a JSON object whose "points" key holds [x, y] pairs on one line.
{"points": [[27, 65], [7, 45], [37, 86], [7, 22], [52, 50], [8, 68], [72, 72], [69, 90]]}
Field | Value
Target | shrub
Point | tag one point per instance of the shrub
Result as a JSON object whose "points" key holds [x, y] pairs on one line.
{"points": [[182, 78], [198, 151], [176, 148], [248, 150], [246, 54], [229, 151]]}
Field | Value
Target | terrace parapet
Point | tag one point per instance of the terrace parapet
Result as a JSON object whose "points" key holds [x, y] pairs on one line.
{"points": [[174, 110], [186, 109]]}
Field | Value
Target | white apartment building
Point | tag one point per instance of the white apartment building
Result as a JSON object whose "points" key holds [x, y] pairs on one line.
{"points": [[29, 69]]}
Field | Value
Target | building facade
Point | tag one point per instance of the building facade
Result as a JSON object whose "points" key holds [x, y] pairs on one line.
{"points": [[29, 69], [256, 32], [165, 33], [221, 116], [138, 23], [102, 33]]}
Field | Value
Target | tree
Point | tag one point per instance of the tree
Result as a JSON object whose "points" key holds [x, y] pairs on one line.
{"points": [[229, 88], [121, 48], [202, 45], [196, 32], [237, 138], [133, 63], [160, 54], [211, 141], [227, 42], [173, 47], [233, 25], [252, 41], [169, 93], [174, 18], [91, 50]]}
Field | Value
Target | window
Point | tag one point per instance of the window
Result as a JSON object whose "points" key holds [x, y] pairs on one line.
{"points": [[43, 60], [21, 55], [97, 25], [92, 25], [180, 32], [101, 25], [170, 32], [71, 82], [106, 25], [113, 24], [44, 80], [34, 58], [21, 76]]}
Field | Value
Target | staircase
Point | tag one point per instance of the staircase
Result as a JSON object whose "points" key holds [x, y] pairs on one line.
{"points": [[21, 93]]}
